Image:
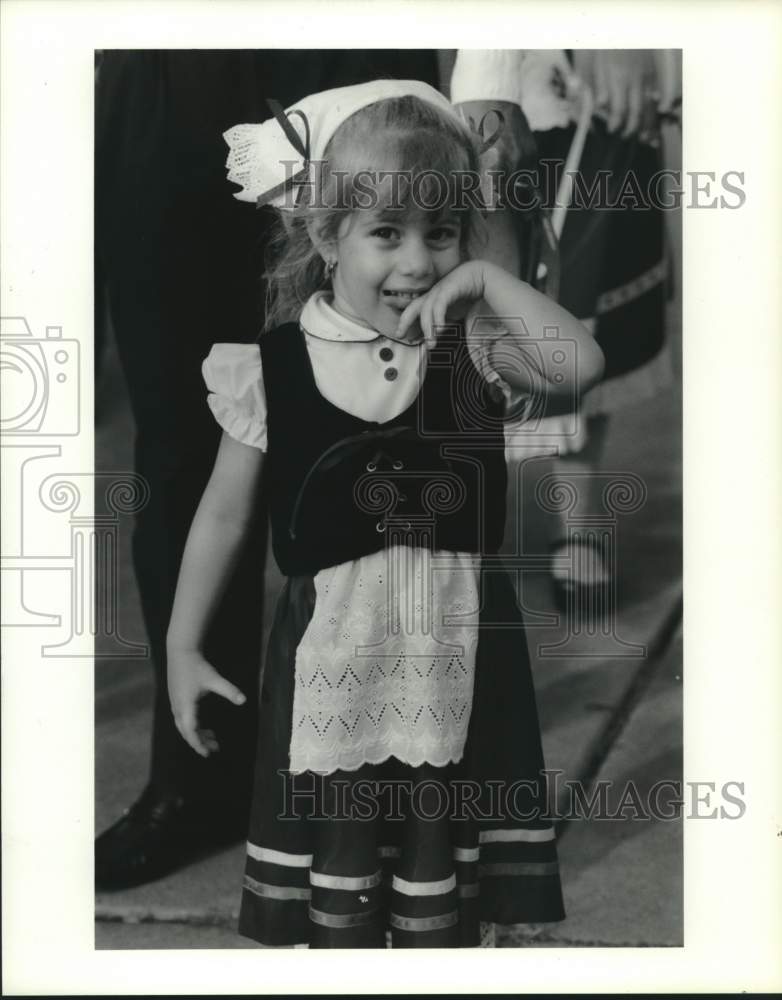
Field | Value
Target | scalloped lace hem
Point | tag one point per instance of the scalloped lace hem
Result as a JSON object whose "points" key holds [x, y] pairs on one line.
{"points": [[358, 757]]}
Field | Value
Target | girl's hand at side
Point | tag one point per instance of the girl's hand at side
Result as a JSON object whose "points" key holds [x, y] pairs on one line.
{"points": [[466, 283], [190, 677]]}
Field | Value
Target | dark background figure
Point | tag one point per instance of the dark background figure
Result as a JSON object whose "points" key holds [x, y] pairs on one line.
{"points": [[178, 268], [613, 268]]}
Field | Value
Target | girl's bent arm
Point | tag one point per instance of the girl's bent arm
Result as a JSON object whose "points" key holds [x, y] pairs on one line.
{"points": [[517, 359], [219, 527], [507, 296]]}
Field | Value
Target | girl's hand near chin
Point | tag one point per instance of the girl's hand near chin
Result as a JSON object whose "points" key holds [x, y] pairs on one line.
{"points": [[465, 284], [507, 297]]}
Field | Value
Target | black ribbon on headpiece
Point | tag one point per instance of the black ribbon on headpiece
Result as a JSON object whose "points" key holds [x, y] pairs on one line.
{"points": [[480, 129], [488, 142], [301, 147]]}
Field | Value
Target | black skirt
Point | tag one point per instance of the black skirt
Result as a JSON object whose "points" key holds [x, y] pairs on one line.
{"points": [[429, 853]]}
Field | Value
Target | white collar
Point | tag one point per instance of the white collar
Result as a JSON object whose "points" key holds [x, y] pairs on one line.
{"points": [[320, 319]]}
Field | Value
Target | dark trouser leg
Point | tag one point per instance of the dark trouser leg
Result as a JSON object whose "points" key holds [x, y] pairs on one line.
{"points": [[233, 647], [181, 262], [189, 802], [177, 465]]}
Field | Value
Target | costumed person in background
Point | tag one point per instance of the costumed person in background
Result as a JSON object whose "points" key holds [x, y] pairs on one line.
{"points": [[180, 262], [397, 653], [613, 269]]}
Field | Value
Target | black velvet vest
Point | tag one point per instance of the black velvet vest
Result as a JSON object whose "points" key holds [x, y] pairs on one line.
{"points": [[340, 488]]}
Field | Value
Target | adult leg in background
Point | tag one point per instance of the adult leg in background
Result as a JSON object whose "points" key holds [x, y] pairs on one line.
{"points": [[181, 264]]}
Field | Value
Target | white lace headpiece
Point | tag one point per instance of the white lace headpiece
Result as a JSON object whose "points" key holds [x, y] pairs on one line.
{"points": [[266, 159]]}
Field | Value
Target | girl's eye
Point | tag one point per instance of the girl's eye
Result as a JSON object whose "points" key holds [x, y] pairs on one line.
{"points": [[443, 234], [385, 233]]}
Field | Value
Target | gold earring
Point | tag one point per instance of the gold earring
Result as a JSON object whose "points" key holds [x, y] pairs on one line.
{"points": [[330, 267]]}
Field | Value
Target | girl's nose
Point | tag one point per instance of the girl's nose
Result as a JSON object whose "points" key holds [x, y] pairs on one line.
{"points": [[415, 258]]}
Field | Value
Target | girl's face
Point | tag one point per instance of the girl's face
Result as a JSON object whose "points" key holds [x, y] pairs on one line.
{"points": [[386, 258]]}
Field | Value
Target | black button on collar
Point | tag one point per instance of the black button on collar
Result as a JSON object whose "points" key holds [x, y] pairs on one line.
{"points": [[386, 354]]}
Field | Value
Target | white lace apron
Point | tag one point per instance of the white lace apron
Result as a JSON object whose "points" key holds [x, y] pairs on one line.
{"points": [[387, 663]]}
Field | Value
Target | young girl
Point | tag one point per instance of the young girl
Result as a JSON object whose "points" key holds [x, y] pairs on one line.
{"points": [[399, 770]]}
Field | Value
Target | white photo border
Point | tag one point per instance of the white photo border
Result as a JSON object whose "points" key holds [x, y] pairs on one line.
{"points": [[732, 370]]}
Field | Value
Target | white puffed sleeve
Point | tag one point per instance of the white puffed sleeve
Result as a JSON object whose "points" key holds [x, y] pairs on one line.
{"points": [[234, 378], [527, 77]]}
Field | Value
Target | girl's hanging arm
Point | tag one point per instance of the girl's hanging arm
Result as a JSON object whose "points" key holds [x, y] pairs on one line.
{"points": [[523, 361], [222, 520]]}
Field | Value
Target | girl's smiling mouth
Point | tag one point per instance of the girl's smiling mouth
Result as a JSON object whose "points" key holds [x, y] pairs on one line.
{"points": [[405, 295]]}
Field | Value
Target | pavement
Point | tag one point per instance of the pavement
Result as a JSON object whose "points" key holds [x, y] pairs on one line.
{"points": [[610, 704]]}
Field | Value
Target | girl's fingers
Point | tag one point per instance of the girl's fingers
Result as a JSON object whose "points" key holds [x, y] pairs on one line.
{"points": [[219, 685], [437, 309], [187, 725], [440, 309], [426, 318], [438, 305], [409, 316], [418, 315], [209, 740], [431, 309], [422, 309]]}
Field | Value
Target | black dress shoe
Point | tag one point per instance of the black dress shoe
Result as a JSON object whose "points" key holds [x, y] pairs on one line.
{"points": [[158, 835]]}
